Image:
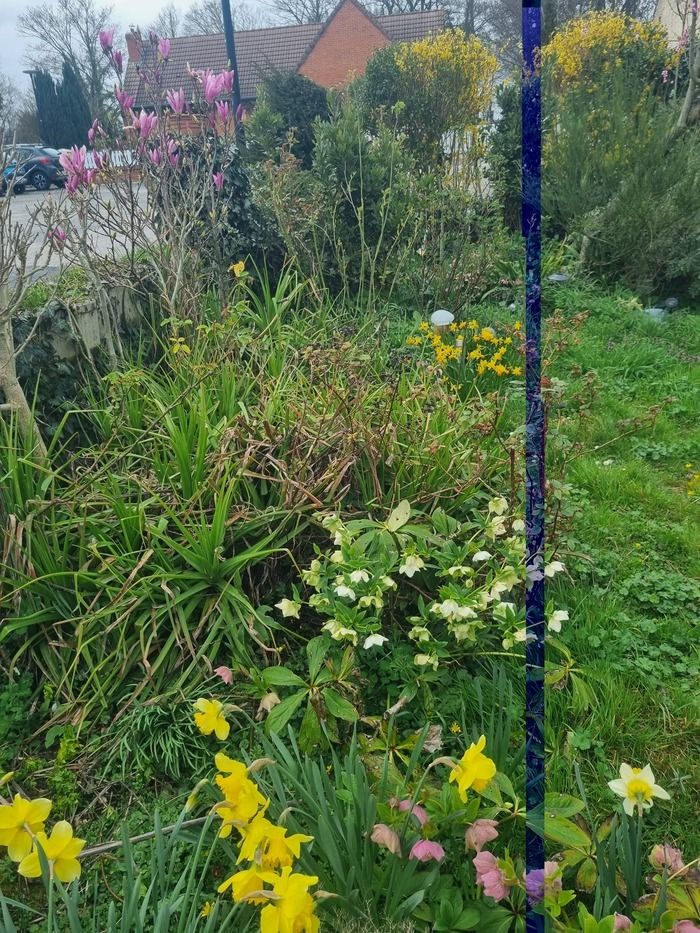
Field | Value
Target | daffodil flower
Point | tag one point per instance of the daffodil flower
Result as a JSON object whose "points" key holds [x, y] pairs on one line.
{"points": [[209, 717], [19, 822], [475, 770], [293, 907], [269, 845], [637, 787], [243, 884], [60, 849]]}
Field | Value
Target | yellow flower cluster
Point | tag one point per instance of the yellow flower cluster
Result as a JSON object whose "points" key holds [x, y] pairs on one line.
{"points": [[487, 352], [590, 46], [270, 851], [460, 67], [22, 831]]}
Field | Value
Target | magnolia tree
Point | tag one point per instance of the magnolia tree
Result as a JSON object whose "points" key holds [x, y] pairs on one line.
{"points": [[152, 203]]}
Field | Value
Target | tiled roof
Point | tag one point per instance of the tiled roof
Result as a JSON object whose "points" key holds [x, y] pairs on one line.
{"points": [[261, 51]]}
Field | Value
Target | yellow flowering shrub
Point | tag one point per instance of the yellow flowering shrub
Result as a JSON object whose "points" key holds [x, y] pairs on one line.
{"points": [[591, 48]]}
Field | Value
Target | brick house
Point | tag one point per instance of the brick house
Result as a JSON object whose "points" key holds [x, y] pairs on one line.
{"points": [[330, 53]]}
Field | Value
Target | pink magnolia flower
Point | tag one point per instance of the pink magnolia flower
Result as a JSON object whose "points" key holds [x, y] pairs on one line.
{"points": [[218, 179], [73, 160], [226, 78], [241, 113], [57, 236], [106, 40], [193, 73], [426, 851], [490, 876], [118, 59], [90, 176], [223, 110], [479, 833], [416, 810], [211, 86], [153, 37], [94, 130], [164, 48], [621, 922], [173, 153], [155, 155], [666, 857], [685, 926], [144, 124], [72, 183], [125, 101], [176, 101], [225, 673], [385, 837]]}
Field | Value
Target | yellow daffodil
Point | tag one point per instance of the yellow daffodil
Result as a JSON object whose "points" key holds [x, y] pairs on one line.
{"points": [[269, 845], [19, 822], [637, 787], [60, 849], [243, 798], [209, 717], [293, 908], [237, 269], [475, 770], [243, 884]]}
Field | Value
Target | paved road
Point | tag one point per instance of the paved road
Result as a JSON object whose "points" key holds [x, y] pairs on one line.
{"points": [[25, 205]]}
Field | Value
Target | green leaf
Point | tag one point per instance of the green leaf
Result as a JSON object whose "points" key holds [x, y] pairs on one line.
{"points": [[316, 651], [283, 712], [281, 677], [338, 706], [468, 919], [566, 833], [310, 730], [561, 805], [399, 516], [586, 875]]}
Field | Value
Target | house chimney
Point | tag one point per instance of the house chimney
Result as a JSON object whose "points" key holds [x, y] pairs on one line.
{"points": [[133, 44]]}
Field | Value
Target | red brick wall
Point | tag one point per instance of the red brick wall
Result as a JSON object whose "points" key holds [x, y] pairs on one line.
{"points": [[343, 50]]}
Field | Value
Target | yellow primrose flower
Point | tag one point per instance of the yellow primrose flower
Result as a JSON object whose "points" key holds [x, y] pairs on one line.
{"points": [[243, 884], [636, 786], [237, 269], [19, 821], [475, 770], [293, 907], [269, 846], [60, 849]]}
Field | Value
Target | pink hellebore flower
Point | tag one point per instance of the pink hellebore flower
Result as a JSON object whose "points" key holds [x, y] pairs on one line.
{"points": [[621, 922], [225, 673], [490, 876], [106, 40], [426, 851], [125, 101], [164, 48], [685, 926], [218, 179], [666, 857], [416, 810], [385, 837], [176, 101], [479, 833], [118, 59]]}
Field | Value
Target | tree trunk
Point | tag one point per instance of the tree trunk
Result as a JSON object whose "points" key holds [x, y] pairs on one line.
{"points": [[15, 398]]}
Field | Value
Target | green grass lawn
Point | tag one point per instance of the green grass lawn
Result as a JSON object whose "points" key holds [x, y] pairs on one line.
{"points": [[633, 553]]}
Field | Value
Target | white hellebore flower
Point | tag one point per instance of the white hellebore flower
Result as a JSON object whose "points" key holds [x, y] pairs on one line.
{"points": [[337, 557], [340, 632], [345, 592], [554, 566], [480, 556], [312, 576], [555, 620], [374, 640], [502, 609], [387, 583], [451, 610], [359, 576], [518, 525], [419, 633], [637, 787], [423, 660], [498, 505], [411, 564], [289, 608]]}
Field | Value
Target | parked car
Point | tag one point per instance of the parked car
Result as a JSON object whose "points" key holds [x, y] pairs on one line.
{"points": [[35, 166]]}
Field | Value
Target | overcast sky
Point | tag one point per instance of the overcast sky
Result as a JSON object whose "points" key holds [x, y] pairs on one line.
{"points": [[13, 47]]}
